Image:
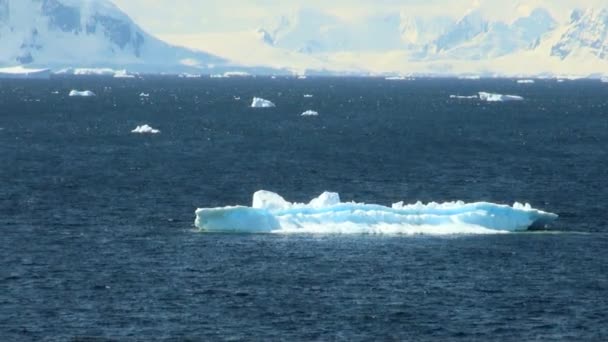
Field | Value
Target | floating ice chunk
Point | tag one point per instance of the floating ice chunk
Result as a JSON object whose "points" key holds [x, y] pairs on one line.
{"points": [[302, 77], [144, 95], [145, 129], [84, 93], [271, 213], [261, 103], [469, 77], [236, 98], [310, 113], [490, 97], [461, 97], [604, 79], [123, 74], [525, 81], [308, 95]]}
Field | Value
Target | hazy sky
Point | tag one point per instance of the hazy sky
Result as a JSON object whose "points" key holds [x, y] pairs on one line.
{"points": [[197, 16]]}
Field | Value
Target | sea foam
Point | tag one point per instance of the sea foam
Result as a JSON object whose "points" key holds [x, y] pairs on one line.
{"points": [[327, 214]]}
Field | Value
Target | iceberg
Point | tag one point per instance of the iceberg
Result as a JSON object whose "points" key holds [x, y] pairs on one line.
{"points": [[490, 97], [123, 74], [261, 103], [145, 129], [308, 96], [466, 97], [310, 113], [84, 93], [525, 81], [327, 214], [144, 95], [19, 72]]}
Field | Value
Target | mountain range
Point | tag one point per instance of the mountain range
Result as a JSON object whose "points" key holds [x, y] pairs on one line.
{"points": [[95, 34]]}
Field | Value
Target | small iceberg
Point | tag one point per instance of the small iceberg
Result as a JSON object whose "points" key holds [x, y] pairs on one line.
{"points": [[465, 97], [259, 102], [144, 95], [491, 97], [145, 129], [310, 113], [84, 93], [308, 96], [123, 74], [525, 81], [327, 214]]}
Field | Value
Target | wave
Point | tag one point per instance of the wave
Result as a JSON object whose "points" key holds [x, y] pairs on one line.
{"points": [[326, 214]]}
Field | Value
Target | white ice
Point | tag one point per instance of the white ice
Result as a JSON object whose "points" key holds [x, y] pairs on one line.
{"points": [[308, 95], [490, 97], [261, 103], [123, 74], [466, 97], [327, 214], [84, 93], [310, 113], [525, 81], [145, 129], [144, 95]]}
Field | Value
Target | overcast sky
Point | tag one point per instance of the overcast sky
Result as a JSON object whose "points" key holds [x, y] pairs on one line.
{"points": [[163, 17]]}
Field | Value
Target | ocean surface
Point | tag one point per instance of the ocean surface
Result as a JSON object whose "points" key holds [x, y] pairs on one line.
{"points": [[98, 241]]}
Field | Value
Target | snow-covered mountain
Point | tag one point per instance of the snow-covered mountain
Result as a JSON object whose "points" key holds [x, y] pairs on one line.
{"points": [[92, 34], [587, 33]]}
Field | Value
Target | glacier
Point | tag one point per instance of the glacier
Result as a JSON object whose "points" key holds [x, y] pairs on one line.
{"points": [[327, 214], [258, 102], [84, 93], [145, 129]]}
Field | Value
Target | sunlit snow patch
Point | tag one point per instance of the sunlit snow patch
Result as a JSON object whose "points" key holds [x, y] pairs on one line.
{"points": [[145, 129], [261, 103], [326, 214], [310, 113], [84, 93], [490, 97]]}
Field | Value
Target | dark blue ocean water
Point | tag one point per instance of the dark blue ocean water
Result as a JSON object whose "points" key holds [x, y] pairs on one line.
{"points": [[96, 223]]}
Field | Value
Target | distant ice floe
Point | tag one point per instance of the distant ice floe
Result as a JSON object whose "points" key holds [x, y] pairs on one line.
{"points": [[87, 71], [145, 129], [469, 77], [144, 95], [491, 97], [259, 102], [310, 113], [308, 95], [123, 74], [525, 81], [465, 97], [84, 93], [326, 214], [399, 78], [20, 72], [604, 79], [302, 77]]}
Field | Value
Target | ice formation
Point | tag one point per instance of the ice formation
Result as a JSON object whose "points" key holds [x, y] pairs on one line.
{"points": [[145, 129], [144, 95], [308, 95], [84, 93], [310, 113], [466, 97], [261, 103], [326, 214], [525, 81], [123, 74], [490, 97]]}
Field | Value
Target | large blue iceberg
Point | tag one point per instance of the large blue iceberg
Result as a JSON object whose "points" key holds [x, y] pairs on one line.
{"points": [[326, 214]]}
